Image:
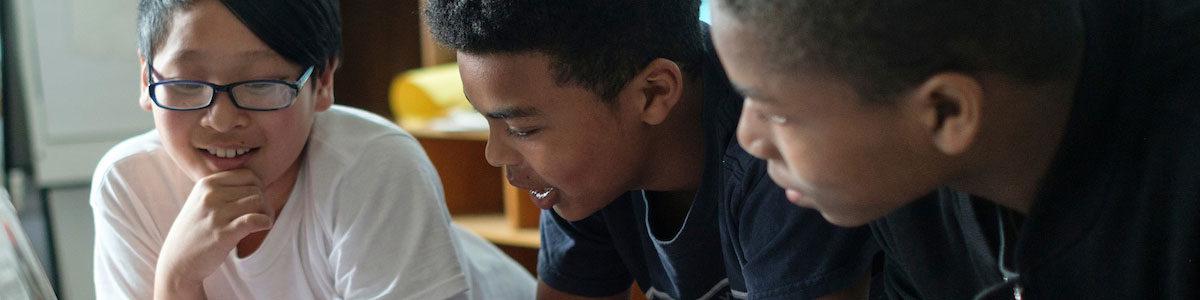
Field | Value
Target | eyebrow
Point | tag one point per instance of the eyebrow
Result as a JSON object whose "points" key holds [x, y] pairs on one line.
{"points": [[513, 112], [751, 93]]}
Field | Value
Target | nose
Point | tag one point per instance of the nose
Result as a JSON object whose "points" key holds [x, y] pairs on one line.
{"points": [[498, 152], [223, 115], [752, 133]]}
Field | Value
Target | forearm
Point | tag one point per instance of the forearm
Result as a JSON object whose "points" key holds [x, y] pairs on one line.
{"points": [[169, 287]]}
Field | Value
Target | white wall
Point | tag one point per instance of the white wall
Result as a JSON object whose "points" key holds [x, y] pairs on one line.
{"points": [[76, 71]]}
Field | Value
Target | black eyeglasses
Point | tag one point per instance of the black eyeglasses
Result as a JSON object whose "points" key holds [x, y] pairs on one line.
{"points": [[256, 95]]}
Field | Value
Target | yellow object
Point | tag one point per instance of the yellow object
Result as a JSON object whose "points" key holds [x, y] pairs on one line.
{"points": [[424, 94]]}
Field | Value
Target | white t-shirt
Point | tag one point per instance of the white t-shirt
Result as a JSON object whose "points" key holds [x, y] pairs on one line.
{"points": [[366, 219]]}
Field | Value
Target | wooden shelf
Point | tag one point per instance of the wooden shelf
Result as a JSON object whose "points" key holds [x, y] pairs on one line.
{"points": [[495, 228], [423, 132]]}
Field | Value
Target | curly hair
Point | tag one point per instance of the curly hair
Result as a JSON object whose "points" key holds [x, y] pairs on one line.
{"points": [[596, 44]]}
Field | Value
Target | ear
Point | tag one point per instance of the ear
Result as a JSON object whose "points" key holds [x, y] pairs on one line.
{"points": [[950, 106], [660, 87], [144, 96], [323, 95]]}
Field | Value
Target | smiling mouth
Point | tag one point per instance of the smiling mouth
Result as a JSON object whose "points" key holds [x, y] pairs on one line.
{"points": [[542, 194], [228, 152]]}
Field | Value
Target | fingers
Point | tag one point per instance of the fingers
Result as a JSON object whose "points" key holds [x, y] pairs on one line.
{"points": [[228, 186], [248, 223], [245, 205], [237, 177]]}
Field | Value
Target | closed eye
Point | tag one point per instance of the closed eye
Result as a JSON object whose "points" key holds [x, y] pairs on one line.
{"points": [[520, 133], [772, 118]]}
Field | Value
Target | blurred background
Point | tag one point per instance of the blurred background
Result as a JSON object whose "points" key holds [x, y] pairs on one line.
{"points": [[69, 93]]}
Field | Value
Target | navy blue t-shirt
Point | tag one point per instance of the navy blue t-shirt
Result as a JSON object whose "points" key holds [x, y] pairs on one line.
{"points": [[1118, 214], [741, 237]]}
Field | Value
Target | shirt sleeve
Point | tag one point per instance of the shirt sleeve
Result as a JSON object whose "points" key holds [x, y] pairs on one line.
{"points": [[126, 240], [789, 252], [580, 258], [391, 235]]}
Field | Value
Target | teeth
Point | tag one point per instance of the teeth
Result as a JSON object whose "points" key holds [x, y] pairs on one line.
{"points": [[541, 194], [227, 153]]}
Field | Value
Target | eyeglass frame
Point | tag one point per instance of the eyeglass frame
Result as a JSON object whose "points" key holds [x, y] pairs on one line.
{"points": [[225, 88]]}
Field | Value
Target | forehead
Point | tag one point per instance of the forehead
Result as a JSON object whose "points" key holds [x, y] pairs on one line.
{"points": [[207, 31], [743, 55], [752, 70], [492, 80]]}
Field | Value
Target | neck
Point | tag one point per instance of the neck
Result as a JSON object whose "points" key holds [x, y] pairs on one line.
{"points": [[676, 163], [676, 147], [1026, 129], [277, 193]]}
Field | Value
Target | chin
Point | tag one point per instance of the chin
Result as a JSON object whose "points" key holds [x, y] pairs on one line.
{"points": [[572, 213], [845, 220], [852, 216]]}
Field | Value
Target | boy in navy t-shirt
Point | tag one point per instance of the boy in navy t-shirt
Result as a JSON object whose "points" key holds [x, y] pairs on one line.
{"points": [[1058, 138], [619, 120]]}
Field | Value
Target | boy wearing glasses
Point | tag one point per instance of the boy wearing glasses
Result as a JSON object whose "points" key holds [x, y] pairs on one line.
{"points": [[255, 186], [1059, 138]]}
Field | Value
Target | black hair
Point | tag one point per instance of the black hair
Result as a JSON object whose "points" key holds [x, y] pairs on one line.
{"points": [[307, 32], [886, 47], [596, 44]]}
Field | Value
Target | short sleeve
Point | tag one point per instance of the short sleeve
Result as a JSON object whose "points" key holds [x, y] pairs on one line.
{"points": [[580, 258], [126, 241], [391, 236]]}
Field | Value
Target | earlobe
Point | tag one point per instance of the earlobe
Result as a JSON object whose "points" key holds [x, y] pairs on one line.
{"points": [[950, 106], [661, 85]]}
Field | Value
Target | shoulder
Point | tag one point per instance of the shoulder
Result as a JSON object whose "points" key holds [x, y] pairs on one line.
{"points": [[352, 137], [135, 170], [355, 158], [132, 156], [351, 128]]}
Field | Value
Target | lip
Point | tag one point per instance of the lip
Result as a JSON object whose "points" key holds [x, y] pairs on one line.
{"points": [[546, 198], [221, 164], [550, 195], [794, 194]]}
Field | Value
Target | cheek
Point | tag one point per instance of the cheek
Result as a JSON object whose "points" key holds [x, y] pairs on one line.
{"points": [[569, 164], [799, 156], [829, 160], [286, 135], [175, 129], [871, 165], [582, 162]]}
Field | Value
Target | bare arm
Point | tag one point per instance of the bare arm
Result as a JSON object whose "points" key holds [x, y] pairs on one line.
{"points": [[222, 209], [170, 288], [545, 292]]}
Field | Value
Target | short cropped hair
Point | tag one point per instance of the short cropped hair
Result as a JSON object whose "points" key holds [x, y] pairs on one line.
{"points": [[596, 44], [307, 32], [886, 47]]}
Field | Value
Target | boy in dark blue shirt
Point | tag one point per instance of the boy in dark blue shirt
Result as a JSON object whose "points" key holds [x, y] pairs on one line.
{"points": [[618, 119], [1059, 137]]}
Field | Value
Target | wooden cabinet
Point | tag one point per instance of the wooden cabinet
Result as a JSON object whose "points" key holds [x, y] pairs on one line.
{"points": [[380, 38], [478, 196]]}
